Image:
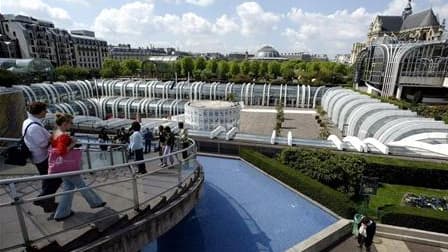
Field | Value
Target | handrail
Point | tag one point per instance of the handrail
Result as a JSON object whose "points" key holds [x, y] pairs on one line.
{"points": [[64, 174], [130, 175]]}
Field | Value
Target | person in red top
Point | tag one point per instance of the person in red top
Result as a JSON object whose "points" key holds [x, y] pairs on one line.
{"points": [[62, 143]]}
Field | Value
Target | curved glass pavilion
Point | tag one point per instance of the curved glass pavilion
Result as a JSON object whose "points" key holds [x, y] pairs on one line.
{"points": [[364, 117], [126, 98]]}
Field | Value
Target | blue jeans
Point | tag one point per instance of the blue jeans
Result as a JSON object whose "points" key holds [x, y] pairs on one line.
{"points": [[65, 204]]}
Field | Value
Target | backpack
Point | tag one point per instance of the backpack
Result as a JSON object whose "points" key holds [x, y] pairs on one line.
{"points": [[18, 154]]}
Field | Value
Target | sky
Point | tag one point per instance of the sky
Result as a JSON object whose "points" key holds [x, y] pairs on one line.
{"points": [[314, 26]]}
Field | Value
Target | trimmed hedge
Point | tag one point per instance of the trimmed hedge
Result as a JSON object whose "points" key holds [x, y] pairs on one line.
{"points": [[388, 169], [426, 219], [406, 172], [334, 200]]}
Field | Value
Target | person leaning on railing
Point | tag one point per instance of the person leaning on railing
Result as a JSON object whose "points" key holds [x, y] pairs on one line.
{"points": [[62, 143], [37, 139]]}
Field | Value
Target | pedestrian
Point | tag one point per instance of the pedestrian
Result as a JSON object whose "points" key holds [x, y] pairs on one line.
{"points": [[136, 146], [162, 140], [367, 229], [168, 147], [103, 138], [37, 139], [148, 136], [183, 139], [62, 143], [118, 137]]}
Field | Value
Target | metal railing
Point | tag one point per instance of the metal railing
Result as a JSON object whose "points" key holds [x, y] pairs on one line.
{"points": [[93, 156], [120, 179]]}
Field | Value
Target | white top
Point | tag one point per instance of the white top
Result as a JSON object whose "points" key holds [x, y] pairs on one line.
{"points": [[136, 141], [37, 139]]}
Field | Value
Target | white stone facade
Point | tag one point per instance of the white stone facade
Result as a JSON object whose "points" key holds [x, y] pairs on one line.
{"points": [[208, 115]]}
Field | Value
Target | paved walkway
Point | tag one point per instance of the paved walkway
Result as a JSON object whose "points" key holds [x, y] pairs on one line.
{"points": [[381, 244], [119, 198]]}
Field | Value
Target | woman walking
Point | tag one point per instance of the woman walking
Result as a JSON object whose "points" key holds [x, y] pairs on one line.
{"points": [[62, 143], [168, 148], [136, 146], [162, 140]]}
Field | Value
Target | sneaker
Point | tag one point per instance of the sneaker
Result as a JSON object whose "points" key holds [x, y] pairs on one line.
{"points": [[66, 217], [100, 205]]}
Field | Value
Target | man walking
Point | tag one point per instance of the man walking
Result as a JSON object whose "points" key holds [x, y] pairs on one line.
{"points": [[37, 139], [147, 136]]}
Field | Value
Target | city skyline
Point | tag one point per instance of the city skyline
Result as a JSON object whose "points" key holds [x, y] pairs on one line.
{"points": [[329, 27]]}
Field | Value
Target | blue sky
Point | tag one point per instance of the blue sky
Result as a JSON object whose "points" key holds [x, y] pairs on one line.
{"points": [[319, 26]]}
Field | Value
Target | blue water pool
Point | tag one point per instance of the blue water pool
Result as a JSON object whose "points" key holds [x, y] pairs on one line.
{"points": [[243, 210]]}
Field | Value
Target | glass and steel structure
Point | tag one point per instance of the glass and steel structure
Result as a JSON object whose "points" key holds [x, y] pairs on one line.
{"points": [[389, 67], [364, 117]]}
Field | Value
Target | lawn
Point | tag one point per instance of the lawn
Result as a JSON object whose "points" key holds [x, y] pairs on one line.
{"points": [[388, 194]]}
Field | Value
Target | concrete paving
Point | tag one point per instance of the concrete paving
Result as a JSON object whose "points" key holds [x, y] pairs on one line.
{"points": [[381, 244], [301, 123]]}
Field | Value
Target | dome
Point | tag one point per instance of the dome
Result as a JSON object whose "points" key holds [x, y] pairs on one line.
{"points": [[267, 52]]}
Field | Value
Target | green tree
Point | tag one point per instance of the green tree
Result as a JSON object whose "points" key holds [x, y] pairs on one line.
{"points": [[130, 67], [234, 68], [223, 70], [254, 68], [212, 66], [274, 69], [111, 68], [206, 75], [245, 67], [287, 71], [199, 63], [264, 67], [187, 66]]}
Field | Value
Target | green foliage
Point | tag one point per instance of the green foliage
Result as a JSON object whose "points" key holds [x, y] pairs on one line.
{"points": [[8, 78], [223, 70], [254, 68], [212, 66], [287, 71], [418, 173], [342, 172], [187, 66], [334, 200], [274, 69], [234, 68], [65, 73], [264, 67], [111, 68], [199, 64], [231, 97], [130, 67], [245, 67], [426, 219]]}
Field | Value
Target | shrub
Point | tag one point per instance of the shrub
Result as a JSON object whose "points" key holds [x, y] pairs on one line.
{"points": [[334, 200], [417, 173], [339, 171], [418, 218]]}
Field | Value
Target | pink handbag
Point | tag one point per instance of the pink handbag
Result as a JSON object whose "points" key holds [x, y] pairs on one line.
{"points": [[65, 163]]}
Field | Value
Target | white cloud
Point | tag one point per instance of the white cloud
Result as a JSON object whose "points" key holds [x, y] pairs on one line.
{"points": [[130, 19], [37, 9], [254, 20], [200, 2], [333, 33], [78, 2], [225, 25]]}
